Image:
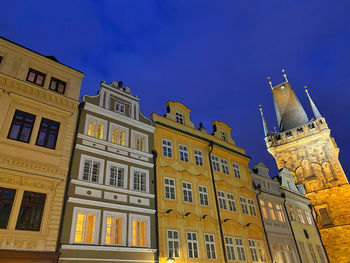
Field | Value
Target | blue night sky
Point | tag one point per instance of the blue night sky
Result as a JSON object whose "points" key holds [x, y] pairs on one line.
{"points": [[213, 56]]}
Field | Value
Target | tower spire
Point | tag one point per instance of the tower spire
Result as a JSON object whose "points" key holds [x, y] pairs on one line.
{"points": [[317, 114], [266, 129]]}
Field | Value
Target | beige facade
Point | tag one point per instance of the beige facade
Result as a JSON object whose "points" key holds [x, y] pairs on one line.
{"points": [[38, 109]]}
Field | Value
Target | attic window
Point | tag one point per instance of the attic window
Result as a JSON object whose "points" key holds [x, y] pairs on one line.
{"points": [[119, 107], [223, 136], [179, 118]]}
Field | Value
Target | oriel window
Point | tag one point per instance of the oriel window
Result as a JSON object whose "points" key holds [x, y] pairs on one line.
{"points": [[22, 126], [48, 132], [36, 77], [57, 85], [6, 201], [31, 211]]}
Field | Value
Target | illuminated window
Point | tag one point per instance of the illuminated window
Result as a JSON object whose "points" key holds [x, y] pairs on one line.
{"points": [[114, 225], [236, 170], [230, 248], [118, 136], [192, 245], [261, 251], [215, 162], [183, 150], [263, 209], [300, 216], [303, 252], [280, 214], [244, 205], [119, 107], [116, 174], [86, 225], [231, 202], [179, 118], [140, 232], [240, 249], [252, 248], [48, 133], [222, 200], [36, 77], [22, 126], [210, 246], [173, 243], [198, 156], [167, 148], [169, 188], [139, 180], [291, 212], [224, 166], [6, 201], [95, 129], [251, 205], [187, 192], [57, 85], [140, 141], [203, 195], [271, 211], [91, 169]]}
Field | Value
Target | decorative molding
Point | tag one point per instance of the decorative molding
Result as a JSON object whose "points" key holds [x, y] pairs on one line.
{"points": [[110, 248]]}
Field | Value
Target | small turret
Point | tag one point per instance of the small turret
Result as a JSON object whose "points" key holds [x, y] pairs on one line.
{"points": [[266, 129], [317, 114]]}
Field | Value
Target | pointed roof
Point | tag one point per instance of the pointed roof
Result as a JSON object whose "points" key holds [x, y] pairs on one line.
{"points": [[289, 112], [317, 114], [266, 129]]}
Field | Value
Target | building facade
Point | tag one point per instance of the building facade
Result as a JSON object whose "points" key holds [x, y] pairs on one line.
{"points": [[110, 207], [39, 110], [306, 148], [278, 229], [206, 204]]}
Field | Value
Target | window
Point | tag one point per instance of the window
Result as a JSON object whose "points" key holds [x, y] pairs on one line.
{"points": [[198, 157], [169, 185], [85, 226], [236, 170], [321, 254], [173, 243], [223, 136], [312, 252], [224, 166], [300, 216], [57, 85], [183, 153], [31, 211], [291, 212], [263, 209], [280, 214], [36, 77], [6, 201], [252, 249], [48, 132], [187, 192], [271, 210], [22, 126], [261, 251], [326, 220], [231, 202], [179, 118], [240, 249], [215, 161], [303, 252], [91, 172], [119, 107], [140, 141], [140, 231], [203, 195], [244, 205], [222, 200], [119, 134], [167, 149], [192, 245], [96, 129], [139, 180], [1, 59], [230, 248], [114, 228], [251, 207], [116, 174], [210, 246]]}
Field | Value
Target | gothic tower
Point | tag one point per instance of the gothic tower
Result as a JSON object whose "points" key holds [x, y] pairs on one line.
{"points": [[307, 149]]}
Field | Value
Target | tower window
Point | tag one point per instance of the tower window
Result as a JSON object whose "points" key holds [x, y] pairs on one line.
{"points": [[36, 77]]}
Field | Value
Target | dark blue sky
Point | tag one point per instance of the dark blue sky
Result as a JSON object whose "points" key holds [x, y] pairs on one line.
{"points": [[213, 56]]}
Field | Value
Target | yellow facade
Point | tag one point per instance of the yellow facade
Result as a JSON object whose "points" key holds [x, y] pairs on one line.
{"points": [[177, 214], [25, 166]]}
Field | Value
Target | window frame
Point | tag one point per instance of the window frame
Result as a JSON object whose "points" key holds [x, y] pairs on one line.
{"points": [[104, 227], [147, 219], [113, 126], [121, 106], [170, 187], [173, 240], [244, 205], [141, 135], [236, 170], [202, 195], [48, 133], [184, 152], [37, 73], [263, 209], [280, 214], [222, 200], [253, 251], [179, 117], [167, 147], [58, 81], [83, 158], [4, 202], [189, 192], [21, 127], [198, 157], [239, 252], [224, 166], [192, 242], [231, 200], [215, 162], [88, 118], [134, 169], [251, 206], [232, 248], [211, 245], [108, 174]]}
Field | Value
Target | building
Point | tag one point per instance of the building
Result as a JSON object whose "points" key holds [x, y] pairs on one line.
{"points": [[278, 229], [110, 207], [39, 110], [306, 148], [206, 204]]}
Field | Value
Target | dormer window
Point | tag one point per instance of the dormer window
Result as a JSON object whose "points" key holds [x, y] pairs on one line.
{"points": [[119, 107], [179, 118], [223, 136]]}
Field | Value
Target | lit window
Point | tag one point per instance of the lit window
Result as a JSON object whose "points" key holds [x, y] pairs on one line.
{"points": [[167, 148], [223, 136], [312, 252], [263, 209], [192, 245], [169, 185], [6, 201], [114, 224], [203, 195], [140, 181], [179, 118], [240, 249], [36, 77], [183, 150], [57, 85], [280, 214], [215, 161], [118, 135], [198, 157], [173, 244], [210, 246], [236, 170], [222, 200], [261, 251], [253, 251], [139, 232], [22, 126], [300, 216], [244, 205], [291, 212], [140, 141], [91, 171], [251, 205], [308, 217], [48, 132], [187, 192], [85, 227], [271, 210], [230, 248], [231, 202], [119, 107], [95, 129], [224, 166]]}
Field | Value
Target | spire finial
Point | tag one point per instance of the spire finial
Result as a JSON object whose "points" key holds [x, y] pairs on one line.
{"points": [[317, 114], [306, 90], [266, 129], [270, 82], [284, 74]]}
